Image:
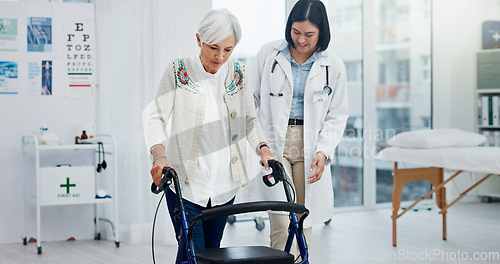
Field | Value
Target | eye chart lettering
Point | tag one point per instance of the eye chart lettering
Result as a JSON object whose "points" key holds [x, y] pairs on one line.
{"points": [[80, 61]]}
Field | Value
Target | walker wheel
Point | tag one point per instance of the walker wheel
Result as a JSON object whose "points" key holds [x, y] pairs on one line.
{"points": [[231, 219], [259, 223], [117, 243], [39, 250], [25, 241], [98, 236], [327, 222]]}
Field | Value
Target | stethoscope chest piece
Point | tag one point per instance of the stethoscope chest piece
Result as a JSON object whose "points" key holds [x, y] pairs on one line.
{"points": [[327, 89]]}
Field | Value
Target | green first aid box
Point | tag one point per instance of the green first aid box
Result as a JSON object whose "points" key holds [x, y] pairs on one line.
{"points": [[67, 185]]}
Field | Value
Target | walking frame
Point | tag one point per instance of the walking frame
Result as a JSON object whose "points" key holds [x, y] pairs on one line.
{"points": [[247, 254]]}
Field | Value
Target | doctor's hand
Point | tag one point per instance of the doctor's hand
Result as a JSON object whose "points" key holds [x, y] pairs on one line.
{"points": [[157, 170], [265, 156], [318, 162]]}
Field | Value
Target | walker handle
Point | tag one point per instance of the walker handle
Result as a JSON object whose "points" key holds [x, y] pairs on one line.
{"points": [[166, 180], [278, 173], [279, 176]]}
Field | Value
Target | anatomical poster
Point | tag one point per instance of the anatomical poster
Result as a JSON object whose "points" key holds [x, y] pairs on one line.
{"points": [[46, 77]]}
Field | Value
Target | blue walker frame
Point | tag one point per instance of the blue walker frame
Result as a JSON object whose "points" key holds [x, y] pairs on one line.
{"points": [[186, 245]]}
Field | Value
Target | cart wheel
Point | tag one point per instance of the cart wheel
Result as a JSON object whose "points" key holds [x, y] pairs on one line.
{"points": [[98, 236], [259, 223], [231, 219], [327, 222], [39, 250], [25, 241], [117, 243]]}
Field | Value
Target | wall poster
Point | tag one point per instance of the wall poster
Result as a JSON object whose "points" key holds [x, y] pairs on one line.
{"points": [[8, 34], [39, 34], [80, 62], [46, 77], [34, 77], [8, 77]]}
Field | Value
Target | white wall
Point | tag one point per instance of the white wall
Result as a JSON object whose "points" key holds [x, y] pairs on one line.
{"points": [[25, 112]]}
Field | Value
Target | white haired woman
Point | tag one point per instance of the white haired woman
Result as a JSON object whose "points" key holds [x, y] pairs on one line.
{"points": [[210, 105]]}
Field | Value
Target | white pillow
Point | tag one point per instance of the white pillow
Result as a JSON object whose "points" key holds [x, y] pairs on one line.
{"points": [[436, 138]]}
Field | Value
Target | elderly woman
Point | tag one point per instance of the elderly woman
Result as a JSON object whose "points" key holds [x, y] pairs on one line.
{"points": [[211, 109]]}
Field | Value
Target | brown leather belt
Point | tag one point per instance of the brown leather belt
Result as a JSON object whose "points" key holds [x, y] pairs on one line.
{"points": [[295, 122]]}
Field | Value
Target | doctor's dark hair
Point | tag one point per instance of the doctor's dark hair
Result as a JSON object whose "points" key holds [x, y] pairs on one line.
{"points": [[315, 12]]}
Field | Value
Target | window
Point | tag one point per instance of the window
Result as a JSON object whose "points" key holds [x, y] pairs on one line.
{"points": [[348, 18], [381, 73], [347, 42], [426, 68], [404, 69], [353, 71]]}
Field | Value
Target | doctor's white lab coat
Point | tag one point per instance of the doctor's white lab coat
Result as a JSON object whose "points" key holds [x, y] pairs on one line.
{"points": [[325, 117]]}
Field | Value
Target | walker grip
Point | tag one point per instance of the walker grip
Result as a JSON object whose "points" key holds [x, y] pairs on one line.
{"points": [[166, 180], [277, 175], [267, 181]]}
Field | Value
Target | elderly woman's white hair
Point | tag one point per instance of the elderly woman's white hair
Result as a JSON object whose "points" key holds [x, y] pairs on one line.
{"points": [[219, 25]]}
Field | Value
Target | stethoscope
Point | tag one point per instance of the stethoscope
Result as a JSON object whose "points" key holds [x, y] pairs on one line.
{"points": [[326, 88]]}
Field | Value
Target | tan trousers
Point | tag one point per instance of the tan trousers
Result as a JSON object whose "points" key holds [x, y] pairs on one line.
{"points": [[293, 160]]}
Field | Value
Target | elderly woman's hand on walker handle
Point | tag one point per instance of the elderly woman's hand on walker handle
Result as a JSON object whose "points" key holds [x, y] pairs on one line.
{"points": [[318, 162], [265, 155], [160, 161]]}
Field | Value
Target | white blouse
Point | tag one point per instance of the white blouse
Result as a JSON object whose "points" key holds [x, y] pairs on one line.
{"points": [[213, 173]]}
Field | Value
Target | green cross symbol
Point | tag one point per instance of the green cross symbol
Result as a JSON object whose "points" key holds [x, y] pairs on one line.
{"points": [[67, 185]]}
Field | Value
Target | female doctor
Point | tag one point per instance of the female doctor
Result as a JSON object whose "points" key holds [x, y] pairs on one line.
{"points": [[301, 97]]}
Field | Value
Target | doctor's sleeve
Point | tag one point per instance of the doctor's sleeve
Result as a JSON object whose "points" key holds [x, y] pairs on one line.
{"points": [[336, 117]]}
